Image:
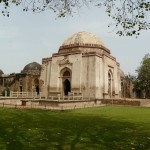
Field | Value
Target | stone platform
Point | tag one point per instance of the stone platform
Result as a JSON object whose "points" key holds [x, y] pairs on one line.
{"points": [[69, 104]]}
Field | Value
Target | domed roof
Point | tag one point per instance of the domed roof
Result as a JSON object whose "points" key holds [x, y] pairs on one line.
{"points": [[83, 38], [83, 42], [32, 68], [1, 72]]}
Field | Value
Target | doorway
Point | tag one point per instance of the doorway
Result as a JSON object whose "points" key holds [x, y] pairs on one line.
{"points": [[66, 86], [66, 81], [109, 85], [37, 90], [36, 85]]}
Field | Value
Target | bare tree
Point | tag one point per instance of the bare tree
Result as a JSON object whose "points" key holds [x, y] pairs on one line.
{"points": [[129, 17]]}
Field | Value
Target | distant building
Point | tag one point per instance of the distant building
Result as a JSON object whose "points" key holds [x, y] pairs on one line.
{"points": [[25, 81]]}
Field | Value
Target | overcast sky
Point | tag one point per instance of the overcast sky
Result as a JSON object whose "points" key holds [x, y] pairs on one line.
{"points": [[26, 37]]}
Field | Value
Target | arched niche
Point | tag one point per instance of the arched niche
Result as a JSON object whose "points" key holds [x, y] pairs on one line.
{"points": [[36, 84], [66, 74], [110, 83]]}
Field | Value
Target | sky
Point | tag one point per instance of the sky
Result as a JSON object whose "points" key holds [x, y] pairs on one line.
{"points": [[26, 37]]}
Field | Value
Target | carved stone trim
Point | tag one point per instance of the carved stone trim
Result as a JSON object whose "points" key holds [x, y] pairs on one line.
{"points": [[85, 45], [64, 61], [45, 60]]}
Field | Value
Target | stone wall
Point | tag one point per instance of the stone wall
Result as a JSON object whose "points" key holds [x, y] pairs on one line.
{"points": [[120, 102], [69, 104]]}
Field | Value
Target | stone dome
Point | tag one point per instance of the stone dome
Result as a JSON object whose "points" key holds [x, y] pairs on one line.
{"points": [[121, 73], [32, 68], [83, 38], [1, 72], [87, 42]]}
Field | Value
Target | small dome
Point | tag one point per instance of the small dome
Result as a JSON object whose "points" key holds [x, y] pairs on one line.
{"points": [[121, 73], [1, 72], [83, 38], [32, 68]]}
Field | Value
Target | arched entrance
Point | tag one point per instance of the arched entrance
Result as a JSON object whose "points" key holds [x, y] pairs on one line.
{"points": [[66, 81], [122, 90], [109, 84], [37, 90], [20, 85], [66, 86], [36, 84]]}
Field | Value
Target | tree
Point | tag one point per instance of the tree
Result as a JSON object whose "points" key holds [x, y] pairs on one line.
{"points": [[142, 81], [129, 16]]}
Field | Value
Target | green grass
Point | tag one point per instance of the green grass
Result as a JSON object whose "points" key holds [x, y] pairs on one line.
{"points": [[102, 128]]}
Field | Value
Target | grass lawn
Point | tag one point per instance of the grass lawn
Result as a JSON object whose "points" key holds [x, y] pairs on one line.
{"points": [[102, 128]]}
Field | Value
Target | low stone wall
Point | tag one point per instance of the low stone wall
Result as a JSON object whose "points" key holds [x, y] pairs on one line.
{"points": [[132, 102], [72, 103], [145, 102], [11, 101], [121, 102], [79, 103], [69, 104]]}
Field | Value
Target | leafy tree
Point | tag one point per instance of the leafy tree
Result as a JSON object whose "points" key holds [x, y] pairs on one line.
{"points": [[143, 78], [129, 16]]}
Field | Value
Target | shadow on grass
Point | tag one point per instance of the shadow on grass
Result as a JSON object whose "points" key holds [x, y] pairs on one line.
{"points": [[46, 130]]}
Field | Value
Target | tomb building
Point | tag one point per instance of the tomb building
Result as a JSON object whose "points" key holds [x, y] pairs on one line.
{"points": [[82, 64]]}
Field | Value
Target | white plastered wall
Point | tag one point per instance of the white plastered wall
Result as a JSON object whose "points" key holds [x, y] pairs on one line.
{"points": [[75, 65], [45, 78], [98, 77], [88, 76], [55, 74], [110, 64], [76, 61]]}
